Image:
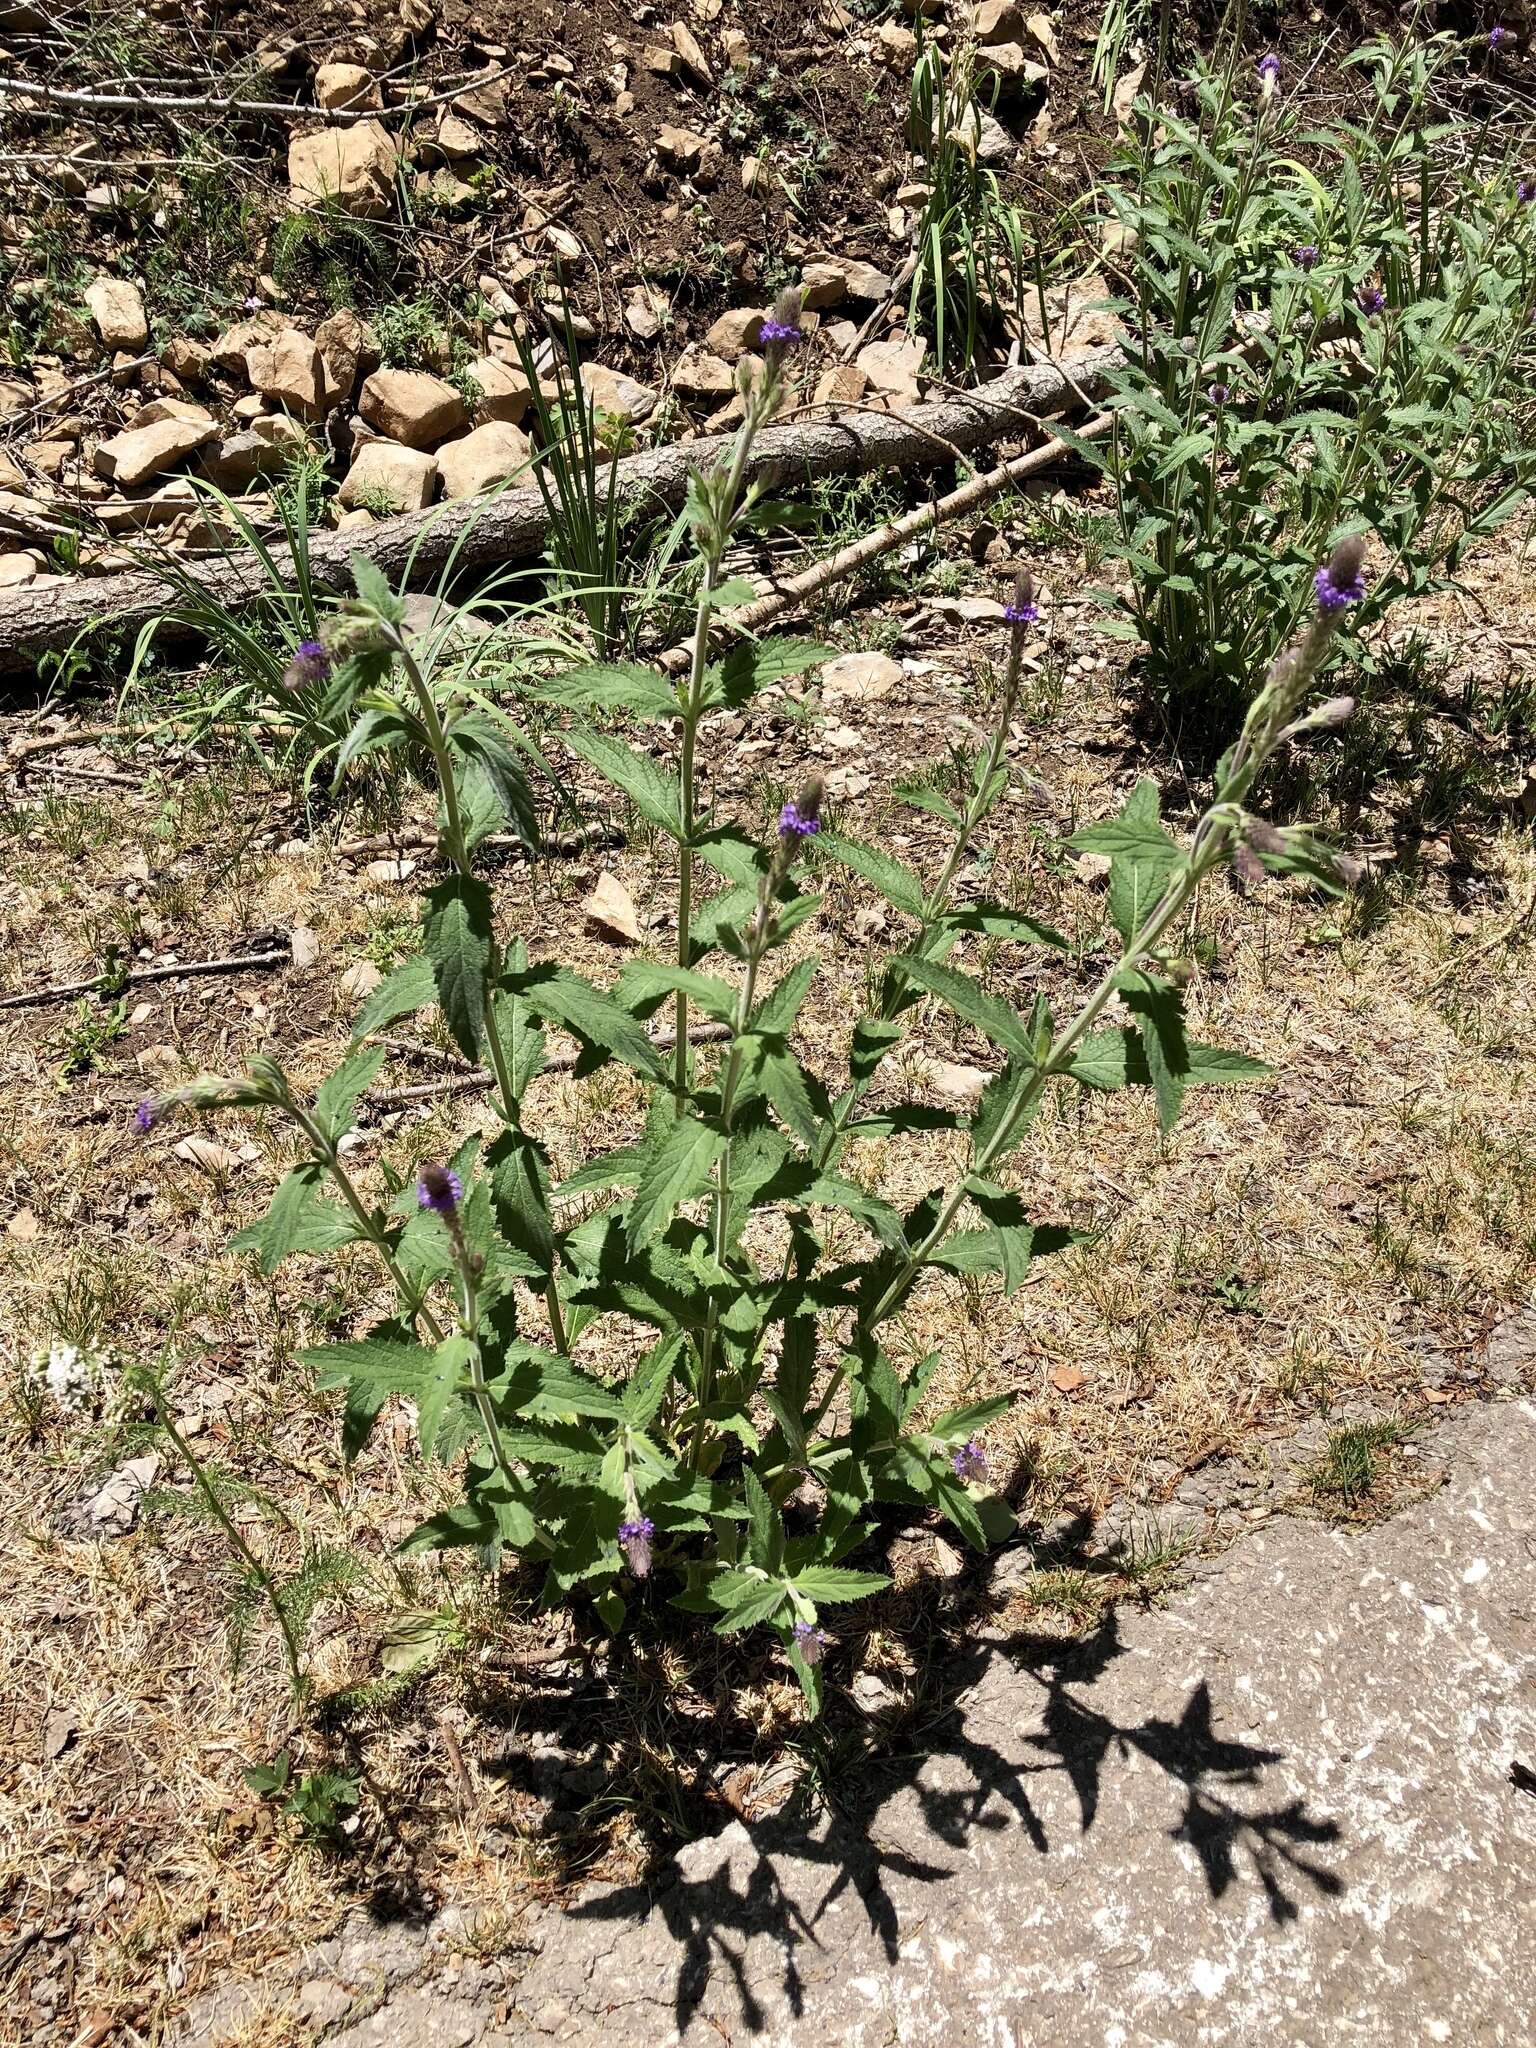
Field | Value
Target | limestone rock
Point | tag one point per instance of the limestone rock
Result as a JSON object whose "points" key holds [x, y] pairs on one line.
{"points": [[387, 477], [346, 85], [188, 361], [134, 457], [490, 455], [349, 350], [1008, 64], [624, 398], [681, 147], [697, 374], [610, 910], [892, 367], [118, 311], [862, 678], [229, 350], [828, 280], [846, 385], [412, 407], [695, 63], [354, 165], [16, 569], [261, 450], [504, 392], [895, 45], [735, 332], [291, 370]]}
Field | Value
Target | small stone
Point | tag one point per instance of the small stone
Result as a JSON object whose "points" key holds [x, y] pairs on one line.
{"points": [[411, 407], [862, 678], [291, 370], [694, 61], [504, 392], [892, 367], [348, 349], [346, 85], [681, 147], [697, 374], [644, 311], [187, 360], [846, 385], [142, 452], [663, 62], [355, 166], [622, 397], [359, 981], [388, 477], [830, 279], [303, 946], [228, 352], [895, 45], [736, 49], [15, 570], [488, 456], [118, 311], [736, 332], [610, 909]]}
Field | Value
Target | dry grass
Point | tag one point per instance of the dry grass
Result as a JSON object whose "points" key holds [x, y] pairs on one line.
{"points": [[1289, 1248]]}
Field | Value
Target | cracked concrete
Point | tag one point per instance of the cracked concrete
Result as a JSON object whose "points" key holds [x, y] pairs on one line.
{"points": [[1278, 1808]]}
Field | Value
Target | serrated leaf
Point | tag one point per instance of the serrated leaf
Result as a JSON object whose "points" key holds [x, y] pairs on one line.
{"points": [[337, 1099], [609, 686], [411, 987], [644, 984], [654, 793], [827, 1584], [457, 933], [564, 998], [896, 883], [968, 999], [300, 1219], [679, 1161]]}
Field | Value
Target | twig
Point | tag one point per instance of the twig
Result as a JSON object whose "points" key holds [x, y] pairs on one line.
{"points": [[108, 984], [57, 398], [847, 561], [473, 1079], [209, 103]]}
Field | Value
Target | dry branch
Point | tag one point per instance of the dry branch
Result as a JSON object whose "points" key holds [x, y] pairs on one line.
{"points": [[213, 103], [416, 547], [102, 984]]}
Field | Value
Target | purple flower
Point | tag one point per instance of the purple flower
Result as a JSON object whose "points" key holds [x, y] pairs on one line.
{"points": [[1341, 580], [1498, 36], [1219, 395], [810, 1641], [970, 1461], [1305, 255], [1268, 68], [310, 665], [782, 331], [1525, 191], [1021, 609], [439, 1189], [144, 1115], [1370, 298], [635, 1542], [795, 823]]}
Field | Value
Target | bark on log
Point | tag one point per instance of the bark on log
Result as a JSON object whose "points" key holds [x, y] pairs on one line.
{"points": [[415, 548]]}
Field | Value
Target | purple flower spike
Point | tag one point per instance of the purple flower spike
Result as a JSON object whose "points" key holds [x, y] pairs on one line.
{"points": [[970, 1461], [782, 331], [1305, 255], [144, 1114], [797, 824], [1498, 36], [1021, 609], [439, 1189], [1341, 580], [635, 1542], [810, 1641], [1219, 395], [1525, 191], [310, 665], [1269, 71], [1370, 298]]}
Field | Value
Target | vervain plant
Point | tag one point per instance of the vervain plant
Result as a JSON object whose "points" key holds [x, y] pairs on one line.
{"points": [[660, 1365], [1324, 327]]}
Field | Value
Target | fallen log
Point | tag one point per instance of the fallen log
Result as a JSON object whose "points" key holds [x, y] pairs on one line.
{"points": [[414, 549]]}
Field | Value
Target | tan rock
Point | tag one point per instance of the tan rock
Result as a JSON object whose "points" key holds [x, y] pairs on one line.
{"points": [[118, 311], [349, 349], [237, 461], [663, 62], [997, 21], [49, 455], [697, 374], [412, 407], [505, 393], [229, 350], [846, 385], [387, 477], [892, 367], [16, 569], [489, 455], [187, 360], [1040, 29], [346, 85], [828, 280], [644, 312], [862, 678], [1008, 64], [171, 409], [456, 139], [291, 370], [681, 147], [736, 48], [610, 910], [142, 452], [623, 398], [735, 332], [355, 166], [695, 63], [895, 45]]}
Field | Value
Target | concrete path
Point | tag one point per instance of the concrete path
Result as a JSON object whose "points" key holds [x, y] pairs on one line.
{"points": [[1285, 1809]]}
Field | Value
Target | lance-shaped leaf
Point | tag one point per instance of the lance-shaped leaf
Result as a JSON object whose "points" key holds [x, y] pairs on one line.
{"points": [[337, 1098], [301, 1219], [968, 999], [679, 1159], [457, 932], [411, 987], [645, 984], [609, 686], [897, 884], [561, 997], [654, 793]]}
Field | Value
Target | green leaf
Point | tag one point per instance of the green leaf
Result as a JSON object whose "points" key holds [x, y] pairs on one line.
{"points": [[564, 998], [999, 1020], [372, 586], [609, 686], [654, 793], [999, 923], [754, 664], [300, 1219], [337, 1098], [897, 884], [411, 987], [747, 1599], [484, 743], [457, 932], [444, 1377], [678, 1164], [1118, 1059], [765, 1531], [770, 1070], [826, 1584], [644, 984], [1141, 856]]}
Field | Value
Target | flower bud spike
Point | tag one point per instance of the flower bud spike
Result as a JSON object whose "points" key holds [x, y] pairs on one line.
{"points": [[801, 816], [439, 1189], [1341, 581], [1021, 609], [635, 1542]]}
